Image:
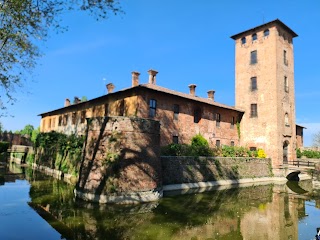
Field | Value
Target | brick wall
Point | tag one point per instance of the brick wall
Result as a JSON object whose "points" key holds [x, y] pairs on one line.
{"points": [[191, 170], [121, 156]]}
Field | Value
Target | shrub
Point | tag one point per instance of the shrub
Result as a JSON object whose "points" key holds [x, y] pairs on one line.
{"points": [[299, 153], [199, 141], [261, 153]]}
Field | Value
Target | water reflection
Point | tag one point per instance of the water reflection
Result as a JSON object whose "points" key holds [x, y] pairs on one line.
{"points": [[260, 212]]}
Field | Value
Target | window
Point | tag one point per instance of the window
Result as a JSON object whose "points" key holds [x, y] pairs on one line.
{"points": [[43, 123], [106, 109], [83, 116], [254, 110], [60, 121], [254, 83], [254, 37], [49, 123], [285, 60], [243, 40], [197, 115], [266, 32], [218, 119], [232, 123], [122, 107], [175, 111], [286, 120], [74, 118], [217, 143], [232, 143], [175, 139], [65, 120], [152, 108], [253, 57], [286, 84], [53, 123], [253, 149]]}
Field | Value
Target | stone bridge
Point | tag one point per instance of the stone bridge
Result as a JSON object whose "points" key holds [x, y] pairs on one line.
{"points": [[295, 169]]}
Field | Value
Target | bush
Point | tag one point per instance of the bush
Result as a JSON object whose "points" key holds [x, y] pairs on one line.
{"points": [[299, 153], [199, 141], [261, 153], [4, 146], [311, 154]]}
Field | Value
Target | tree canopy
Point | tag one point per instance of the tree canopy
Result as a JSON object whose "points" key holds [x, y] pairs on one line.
{"points": [[26, 22]]}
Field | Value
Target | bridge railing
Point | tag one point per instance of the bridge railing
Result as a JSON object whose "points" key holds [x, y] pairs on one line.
{"points": [[302, 163]]}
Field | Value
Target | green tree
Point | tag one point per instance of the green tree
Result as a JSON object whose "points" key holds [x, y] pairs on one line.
{"points": [[25, 24], [28, 129], [35, 134]]}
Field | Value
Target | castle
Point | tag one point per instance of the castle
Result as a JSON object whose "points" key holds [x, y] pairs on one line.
{"points": [[263, 115]]}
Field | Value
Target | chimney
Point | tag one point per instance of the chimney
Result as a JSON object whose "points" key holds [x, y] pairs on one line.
{"points": [[135, 79], [76, 100], [152, 76], [110, 87], [67, 102], [211, 94], [192, 89]]}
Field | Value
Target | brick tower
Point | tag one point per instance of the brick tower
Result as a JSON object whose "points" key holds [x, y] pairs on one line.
{"points": [[264, 89]]}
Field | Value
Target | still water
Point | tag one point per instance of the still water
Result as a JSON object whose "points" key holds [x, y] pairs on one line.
{"points": [[34, 206]]}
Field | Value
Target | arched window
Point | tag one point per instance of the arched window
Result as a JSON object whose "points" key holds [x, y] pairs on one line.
{"points": [[254, 37], [266, 32], [243, 40], [286, 119]]}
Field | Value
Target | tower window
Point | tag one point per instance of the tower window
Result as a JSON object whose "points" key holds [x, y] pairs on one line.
{"points": [[254, 83], [197, 115], [243, 40], [286, 84], [217, 143], [218, 119], [285, 60], [254, 110], [266, 32], [286, 120], [253, 57], [152, 108], [175, 111], [254, 37]]}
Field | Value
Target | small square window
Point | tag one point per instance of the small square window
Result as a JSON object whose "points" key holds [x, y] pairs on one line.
{"points": [[175, 139], [253, 149], [217, 143], [254, 37], [232, 143], [243, 40], [266, 32]]}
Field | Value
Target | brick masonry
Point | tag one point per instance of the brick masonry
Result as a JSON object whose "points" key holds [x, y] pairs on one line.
{"points": [[121, 157], [178, 170]]}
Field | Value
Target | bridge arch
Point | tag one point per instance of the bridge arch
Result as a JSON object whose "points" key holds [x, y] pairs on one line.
{"points": [[293, 176]]}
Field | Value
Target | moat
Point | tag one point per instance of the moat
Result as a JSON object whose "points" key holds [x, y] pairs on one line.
{"points": [[35, 206]]}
